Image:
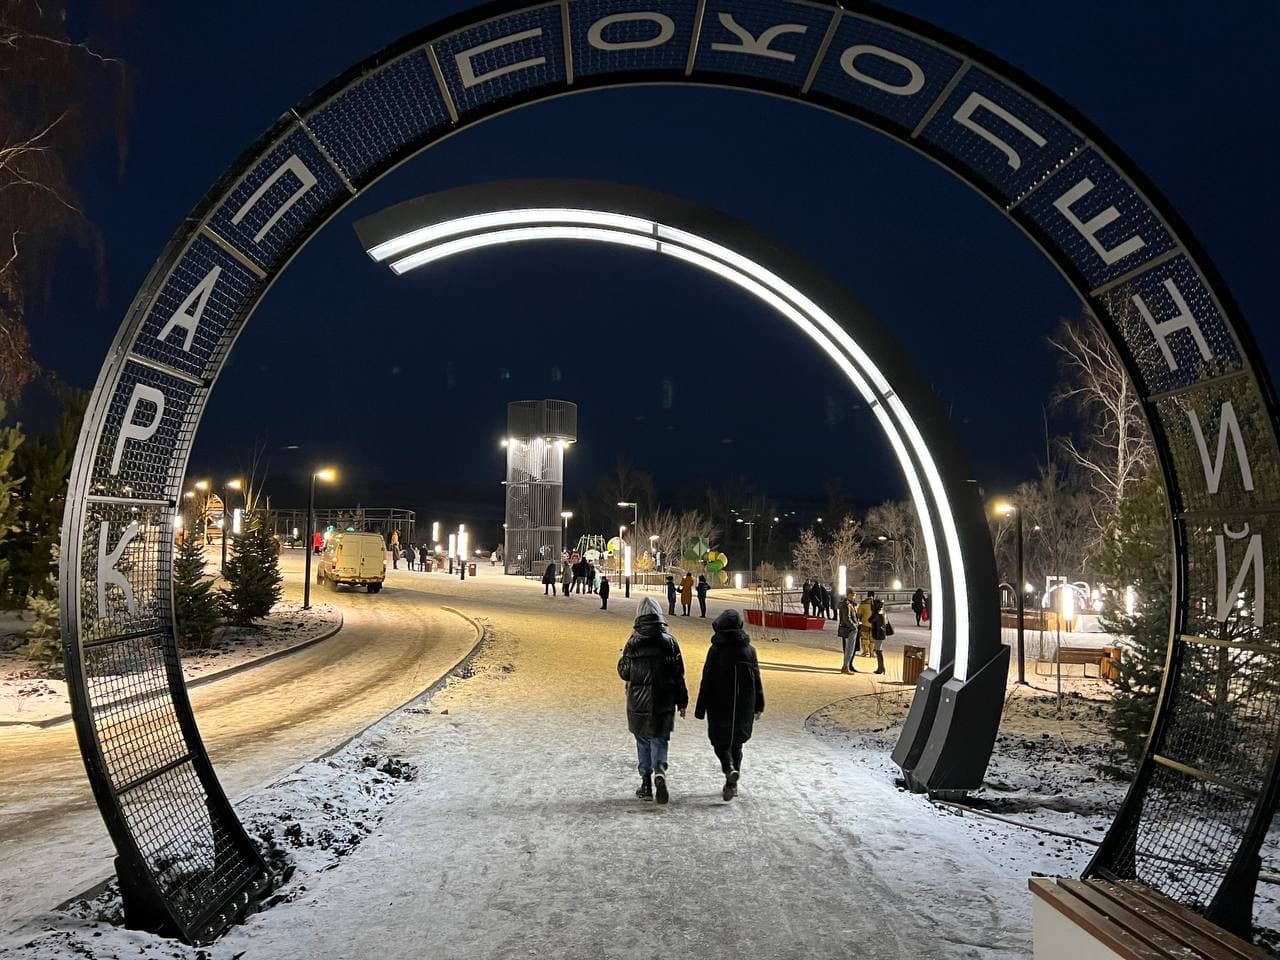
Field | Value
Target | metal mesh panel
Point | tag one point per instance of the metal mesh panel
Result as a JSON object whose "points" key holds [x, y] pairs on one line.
{"points": [[133, 710], [516, 67], [144, 563], [395, 109], [1165, 291], [1225, 716], [253, 227], [901, 110], [195, 858], [1217, 408], [795, 50], [1227, 562], [146, 468], [230, 292], [1010, 176], [1185, 838], [1110, 189], [670, 55]]}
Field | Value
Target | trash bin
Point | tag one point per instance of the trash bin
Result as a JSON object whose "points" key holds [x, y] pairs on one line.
{"points": [[471, 569], [913, 661], [427, 565]]}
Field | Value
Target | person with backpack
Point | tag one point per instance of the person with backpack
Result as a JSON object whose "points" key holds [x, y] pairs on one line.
{"points": [[701, 590], [604, 593], [549, 581], [671, 596], [653, 669], [730, 696], [409, 556]]}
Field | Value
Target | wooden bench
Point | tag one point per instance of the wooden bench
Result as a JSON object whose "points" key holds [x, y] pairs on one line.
{"points": [[1087, 919], [1081, 655]]}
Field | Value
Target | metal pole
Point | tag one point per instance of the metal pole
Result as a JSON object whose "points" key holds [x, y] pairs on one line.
{"points": [[1022, 599], [307, 541], [751, 566], [224, 531]]}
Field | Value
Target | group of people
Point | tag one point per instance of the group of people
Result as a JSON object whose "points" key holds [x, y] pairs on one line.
{"points": [[816, 597], [730, 696], [862, 630], [580, 577], [686, 592]]}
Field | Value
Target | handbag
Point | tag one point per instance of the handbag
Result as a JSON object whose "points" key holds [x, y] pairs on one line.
{"points": [[888, 627]]}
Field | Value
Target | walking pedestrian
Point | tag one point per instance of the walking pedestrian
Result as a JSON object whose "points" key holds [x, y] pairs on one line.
{"points": [[730, 696], [671, 596], [549, 581], [566, 577], [917, 604], [604, 593], [317, 543], [816, 600], [686, 593], [409, 556], [395, 556], [806, 596], [653, 669], [702, 589], [579, 575], [878, 631], [832, 603], [848, 630]]}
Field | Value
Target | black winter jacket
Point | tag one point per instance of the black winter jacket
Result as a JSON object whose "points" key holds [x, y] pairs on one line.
{"points": [[653, 667], [731, 693]]}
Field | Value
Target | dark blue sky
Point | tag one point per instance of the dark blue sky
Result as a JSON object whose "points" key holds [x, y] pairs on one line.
{"points": [[404, 382]]}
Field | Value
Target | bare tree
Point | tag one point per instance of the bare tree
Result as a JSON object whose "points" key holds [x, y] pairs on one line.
{"points": [[846, 549], [898, 521], [1094, 383], [658, 529], [809, 555]]}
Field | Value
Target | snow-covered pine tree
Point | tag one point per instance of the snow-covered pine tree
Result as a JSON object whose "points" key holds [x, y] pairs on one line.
{"points": [[44, 639], [253, 575], [195, 605], [1136, 551]]}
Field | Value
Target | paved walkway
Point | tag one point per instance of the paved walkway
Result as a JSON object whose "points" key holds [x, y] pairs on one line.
{"points": [[521, 837]]}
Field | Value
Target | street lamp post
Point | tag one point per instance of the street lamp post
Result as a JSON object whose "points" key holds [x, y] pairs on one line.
{"points": [[566, 516], [1004, 509], [328, 475], [751, 531], [226, 507]]}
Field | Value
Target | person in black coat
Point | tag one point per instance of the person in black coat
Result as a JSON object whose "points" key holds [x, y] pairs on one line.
{"points": [[604, 593], [653, 668], [701, 590], [731, 695], [409, 556], [549, 581], [917, 604], [806, 597], [671, 596]]}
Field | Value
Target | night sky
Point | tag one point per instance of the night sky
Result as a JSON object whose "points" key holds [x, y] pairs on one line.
{"points": [[403, 382]]}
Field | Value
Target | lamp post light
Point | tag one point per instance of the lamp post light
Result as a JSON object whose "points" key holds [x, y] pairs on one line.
{"points": [[328, 475], [464, 542], [566, 516], [635, 509], [1004, 508], [222, 524], [751, 531], [653, 550]]}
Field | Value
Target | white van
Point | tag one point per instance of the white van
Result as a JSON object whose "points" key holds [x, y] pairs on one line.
{"points": [[357, 559]]}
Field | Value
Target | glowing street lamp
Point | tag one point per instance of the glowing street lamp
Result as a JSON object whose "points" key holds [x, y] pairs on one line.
{"points": [[1005, 508], [842, 580], [327, 475], [222, 524], [635, 509]]}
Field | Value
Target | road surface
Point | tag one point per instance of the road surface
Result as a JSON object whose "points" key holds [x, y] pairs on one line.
{"points": [[258, 725]]}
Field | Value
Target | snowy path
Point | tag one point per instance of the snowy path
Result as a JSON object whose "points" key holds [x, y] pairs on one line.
{"points": [[520, 836], [257, 725]]}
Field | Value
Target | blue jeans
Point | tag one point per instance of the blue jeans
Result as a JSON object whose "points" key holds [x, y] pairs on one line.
{"points": [[652, 752]]}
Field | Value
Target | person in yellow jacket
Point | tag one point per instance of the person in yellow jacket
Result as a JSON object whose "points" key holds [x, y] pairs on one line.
{"points": [[686, 593], [865, 610]]}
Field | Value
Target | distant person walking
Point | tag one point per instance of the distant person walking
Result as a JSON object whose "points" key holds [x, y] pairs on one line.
{"points": [[806, 597], [848, 629], [917, 604], [653, 669], [871, 613], [549, 581], [604, 593], [730, 696], [409, 556], [671, 596], [686, 593], [317, 543], [395, 556], [833, 604], [566, 577], [701, 590]]}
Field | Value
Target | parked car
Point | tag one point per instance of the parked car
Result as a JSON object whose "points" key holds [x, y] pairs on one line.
{"points": [[355, 559]]}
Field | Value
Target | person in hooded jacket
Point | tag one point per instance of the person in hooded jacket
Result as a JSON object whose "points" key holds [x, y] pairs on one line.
{"points": [[701, 590], [549, 581], [731, 695], [686, 593], [671, 596], [410, 556], [653, 668], [603, 591]]}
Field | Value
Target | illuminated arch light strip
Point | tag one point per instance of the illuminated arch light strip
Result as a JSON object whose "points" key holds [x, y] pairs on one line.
{"points": [[449, 238]]}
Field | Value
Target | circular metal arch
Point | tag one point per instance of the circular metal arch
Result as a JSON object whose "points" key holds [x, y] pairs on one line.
{"points": [[1205, 791]]}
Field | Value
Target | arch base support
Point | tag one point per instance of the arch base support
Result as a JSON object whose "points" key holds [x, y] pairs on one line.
{"points": [[963, 732], [924, 707]]}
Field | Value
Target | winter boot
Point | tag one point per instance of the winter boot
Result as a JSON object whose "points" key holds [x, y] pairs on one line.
{"points": [[660, 786], [645, 790], [879, 662], [730, 785]]}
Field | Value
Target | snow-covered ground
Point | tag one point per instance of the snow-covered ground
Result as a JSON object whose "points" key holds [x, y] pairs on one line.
{"points": [[27, 696]]}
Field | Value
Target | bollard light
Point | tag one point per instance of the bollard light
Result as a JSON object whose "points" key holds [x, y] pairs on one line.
{"points": [[789, 581], [737, 581], [842, 581]]}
